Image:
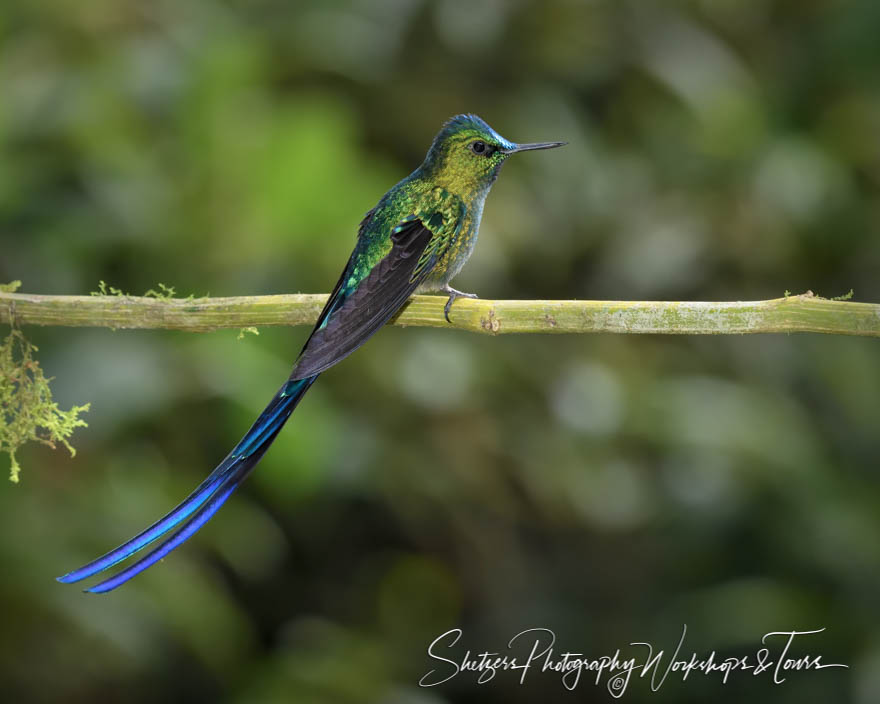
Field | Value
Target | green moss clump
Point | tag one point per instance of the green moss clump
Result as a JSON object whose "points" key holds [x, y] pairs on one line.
{"points": [[27, 411], [163, 293], [105, 290]]}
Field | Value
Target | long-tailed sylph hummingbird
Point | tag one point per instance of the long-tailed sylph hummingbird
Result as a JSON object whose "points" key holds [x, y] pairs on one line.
{"points": [[417, 238]]}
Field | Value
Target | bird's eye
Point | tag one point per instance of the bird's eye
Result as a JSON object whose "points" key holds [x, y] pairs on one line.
{"points": [[480, 147]]}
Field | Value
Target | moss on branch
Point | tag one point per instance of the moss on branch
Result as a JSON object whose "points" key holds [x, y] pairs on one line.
{"points": [[27, 411]]}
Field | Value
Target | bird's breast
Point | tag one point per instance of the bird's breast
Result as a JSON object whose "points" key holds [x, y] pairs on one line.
{"points": [[460, 247]]}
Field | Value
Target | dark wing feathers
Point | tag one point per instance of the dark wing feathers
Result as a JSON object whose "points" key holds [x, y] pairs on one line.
{"points": [[335, 299], [351, 319]]}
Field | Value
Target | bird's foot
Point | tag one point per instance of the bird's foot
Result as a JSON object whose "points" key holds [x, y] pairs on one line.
{"points": [[453, 294]]}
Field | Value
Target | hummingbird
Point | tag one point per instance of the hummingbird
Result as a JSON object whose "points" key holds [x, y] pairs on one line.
{"points": [[417, 238]]}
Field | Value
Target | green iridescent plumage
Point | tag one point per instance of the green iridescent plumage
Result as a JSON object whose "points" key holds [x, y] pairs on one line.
{"points": [[446, 193], [417, 237]]}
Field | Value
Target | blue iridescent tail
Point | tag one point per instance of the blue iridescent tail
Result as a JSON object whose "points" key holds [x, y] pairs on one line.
{"points": [[197, 508]]}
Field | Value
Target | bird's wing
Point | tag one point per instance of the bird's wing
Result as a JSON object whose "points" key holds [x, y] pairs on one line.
{"points": [[354, 314]]}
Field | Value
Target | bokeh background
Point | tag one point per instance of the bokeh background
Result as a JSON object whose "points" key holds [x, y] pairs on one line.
{"points": [[610, 488]]}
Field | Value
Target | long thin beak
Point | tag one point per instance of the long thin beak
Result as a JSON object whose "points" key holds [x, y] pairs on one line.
{"points": [[535, 145]]}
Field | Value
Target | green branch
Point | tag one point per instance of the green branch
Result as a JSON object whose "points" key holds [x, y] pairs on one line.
{"points": [[803, 313], [27, 411]]}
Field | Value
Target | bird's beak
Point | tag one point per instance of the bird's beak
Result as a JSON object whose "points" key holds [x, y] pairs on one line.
{"points": [[535, 145]]}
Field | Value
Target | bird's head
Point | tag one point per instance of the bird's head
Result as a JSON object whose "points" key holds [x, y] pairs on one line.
{"points": [[467, 154]]}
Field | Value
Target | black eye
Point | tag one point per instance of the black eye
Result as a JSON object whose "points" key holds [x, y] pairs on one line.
{"points": [[479, 147]]}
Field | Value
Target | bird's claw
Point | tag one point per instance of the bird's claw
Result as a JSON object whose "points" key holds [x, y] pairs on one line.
{"points": [[453, 294]]}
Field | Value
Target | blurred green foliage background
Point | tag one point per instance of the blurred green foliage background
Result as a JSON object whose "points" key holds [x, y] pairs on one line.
{"points": [[610, 488]]}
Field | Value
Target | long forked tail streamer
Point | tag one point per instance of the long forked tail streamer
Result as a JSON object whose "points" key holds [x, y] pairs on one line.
{"points": [[194, 511], [230, 484]]}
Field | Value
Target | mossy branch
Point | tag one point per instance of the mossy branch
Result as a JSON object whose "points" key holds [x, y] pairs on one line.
{"points": [[802, 313], [27, 411]]}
